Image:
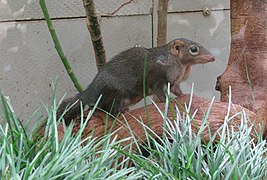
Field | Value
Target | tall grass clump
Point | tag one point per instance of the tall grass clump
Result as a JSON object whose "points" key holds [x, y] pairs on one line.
{"points": [[177, 154], [181, 154], [26, 155]]}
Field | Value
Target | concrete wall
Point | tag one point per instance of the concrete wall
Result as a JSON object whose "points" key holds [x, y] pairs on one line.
{"points": [[29, 62]]}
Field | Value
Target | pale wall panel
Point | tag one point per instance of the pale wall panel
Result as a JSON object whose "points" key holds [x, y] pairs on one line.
{"points": [[30, 9], [185, 19], [191, 5], [29, 62], [212, 34]]}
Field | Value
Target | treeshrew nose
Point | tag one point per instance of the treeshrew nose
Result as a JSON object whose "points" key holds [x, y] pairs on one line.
{"points": [[212, 58]]}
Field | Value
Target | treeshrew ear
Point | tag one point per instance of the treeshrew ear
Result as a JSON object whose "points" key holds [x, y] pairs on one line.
{"points": [[176, 47]]}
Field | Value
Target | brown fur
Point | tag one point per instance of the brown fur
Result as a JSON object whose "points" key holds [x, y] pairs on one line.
{"points": [[120, 81]]}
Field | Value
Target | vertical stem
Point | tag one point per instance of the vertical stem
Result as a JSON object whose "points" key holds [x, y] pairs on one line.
{"points": [[59, 48], [95, 32], [162, 22], [162, 26]]}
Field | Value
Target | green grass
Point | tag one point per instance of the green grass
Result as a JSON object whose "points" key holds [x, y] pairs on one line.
{"points": [[178, 154]]}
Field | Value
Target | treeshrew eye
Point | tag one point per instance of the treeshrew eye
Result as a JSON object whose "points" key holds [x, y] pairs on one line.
{"points": [[194, 50]]}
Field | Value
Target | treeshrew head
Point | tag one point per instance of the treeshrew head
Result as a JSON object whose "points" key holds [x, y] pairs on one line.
{"points": [[189, 52]]}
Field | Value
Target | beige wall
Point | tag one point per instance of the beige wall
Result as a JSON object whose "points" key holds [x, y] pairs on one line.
{"points": [[29, 62]]}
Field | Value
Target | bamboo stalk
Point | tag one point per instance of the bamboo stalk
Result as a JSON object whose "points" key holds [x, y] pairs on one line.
{"points": [[95, 32], [59, 48]]}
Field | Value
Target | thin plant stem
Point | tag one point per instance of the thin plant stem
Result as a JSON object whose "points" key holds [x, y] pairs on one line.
{"points": [[95, 32], [162, 22], [144, 89], [59, 48]]}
